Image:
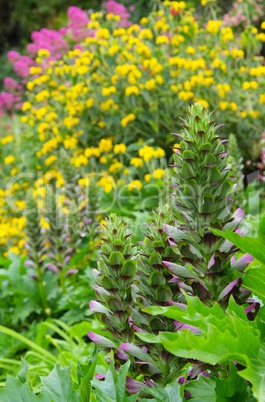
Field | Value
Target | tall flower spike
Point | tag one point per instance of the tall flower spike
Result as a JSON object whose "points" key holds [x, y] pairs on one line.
{"points": [[203, 200], [35, 247], [235, 159], [70, 175], [154, 285], [116, 270]]}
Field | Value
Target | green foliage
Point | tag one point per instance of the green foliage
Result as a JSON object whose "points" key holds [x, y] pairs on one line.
{"points": [[57, 387], [251, 245], [225, 336]]}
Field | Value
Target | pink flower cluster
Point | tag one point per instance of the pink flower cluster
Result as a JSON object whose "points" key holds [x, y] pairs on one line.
{"points": [[48, 39], [118, 9], [11, 98], [21, 63], [77, 24], [57, 43], [237, 14]]}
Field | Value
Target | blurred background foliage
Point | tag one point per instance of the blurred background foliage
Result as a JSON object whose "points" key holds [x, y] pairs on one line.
{"points": [[19, 18]]}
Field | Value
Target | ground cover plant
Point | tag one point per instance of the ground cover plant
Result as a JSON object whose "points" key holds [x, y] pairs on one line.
{"points": [[131, 259]]}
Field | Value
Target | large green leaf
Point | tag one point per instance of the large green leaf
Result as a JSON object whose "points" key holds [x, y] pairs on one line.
{"points": [[16, 391], [254, 280], [58, 386], [226, 336], [233, 387], [85, 375], [252, 245], [202, 389], [168, 394], [113, 388]]}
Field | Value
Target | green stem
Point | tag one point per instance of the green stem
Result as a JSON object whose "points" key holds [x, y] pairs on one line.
{"points": [[41, 287], [29, 343]]}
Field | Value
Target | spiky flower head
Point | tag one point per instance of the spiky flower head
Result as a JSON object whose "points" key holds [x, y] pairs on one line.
{"points": [[235, 159], [35, 239], [116, 270], [203, 200]]}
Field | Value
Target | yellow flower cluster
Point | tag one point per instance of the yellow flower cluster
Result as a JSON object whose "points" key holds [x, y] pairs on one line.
{"points": [[128, 83]]}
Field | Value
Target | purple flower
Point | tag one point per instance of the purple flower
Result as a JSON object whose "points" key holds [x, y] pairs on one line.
{"points": [[180, 325], [134, 386], [101, 340]]}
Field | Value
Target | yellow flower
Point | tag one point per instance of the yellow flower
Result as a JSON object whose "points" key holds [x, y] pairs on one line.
{"points": [[243, 113], [158, 173], [108, 90], [119, 149], [103, 160], [35, 70], [223, 105], [7, 139], [105, 145], [185, 95], [115, 167], [92, 152], [159, 79], [250, 85], [159, 153], [44, 224], [103, 33], [89, 103], [9, 159], [261, 37], [190, 50], [137, 162], [70, 142], [127, 119], [262, 97], [135, 185], [69, 122], [80, 160], [14, 249], [84, 182], [133, 90], [14, 171], [43, 53], [203, 103], [254, 113], [245, 85], [50, 160], [233, 106], [26, 106], [143, 20], [24, 119], [151, 84], [93, 25], [147, 177], [162, 39], [146, 153], [176, 147], [30, 85], [112, 50], [145, 34], [237, 53], [107, 183], [213, 26]]}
